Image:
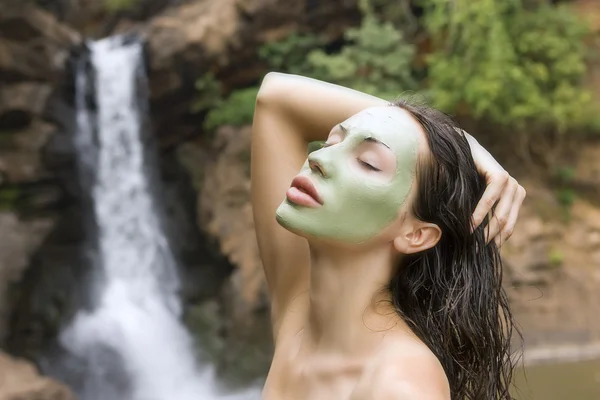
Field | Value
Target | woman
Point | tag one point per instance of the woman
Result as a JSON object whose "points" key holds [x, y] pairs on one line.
{"points": [[379, 288]]}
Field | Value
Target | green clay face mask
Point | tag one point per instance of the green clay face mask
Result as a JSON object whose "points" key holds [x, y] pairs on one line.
{"points": [[362, 179]]}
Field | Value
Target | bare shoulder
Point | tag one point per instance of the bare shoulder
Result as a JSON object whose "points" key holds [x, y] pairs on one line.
{"points": [[403, 369]]}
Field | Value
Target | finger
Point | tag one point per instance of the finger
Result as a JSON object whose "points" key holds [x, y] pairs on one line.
{"points": [[492, 193], [502, 211], [512, 218]]}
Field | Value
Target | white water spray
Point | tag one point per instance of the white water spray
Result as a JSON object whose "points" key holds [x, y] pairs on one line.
{"points": [[137, 314]]}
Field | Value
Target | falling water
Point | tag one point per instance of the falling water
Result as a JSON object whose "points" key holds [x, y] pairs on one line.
{"points": [[131, 340]]}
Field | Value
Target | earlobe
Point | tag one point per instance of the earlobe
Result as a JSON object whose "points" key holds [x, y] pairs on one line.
{"points": [[423, 237]]}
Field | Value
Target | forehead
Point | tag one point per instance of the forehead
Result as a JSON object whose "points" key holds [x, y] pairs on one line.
{"points": [[393, 126]]}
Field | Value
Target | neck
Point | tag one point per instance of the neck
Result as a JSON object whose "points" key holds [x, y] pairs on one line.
{"points": [[350, 308]]}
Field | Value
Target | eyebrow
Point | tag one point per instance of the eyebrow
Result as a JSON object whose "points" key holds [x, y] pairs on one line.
{"points": [[372, 139], [367, 139]]}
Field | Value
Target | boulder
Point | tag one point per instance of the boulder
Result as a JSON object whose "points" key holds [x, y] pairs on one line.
{"points": [[19, 380]]}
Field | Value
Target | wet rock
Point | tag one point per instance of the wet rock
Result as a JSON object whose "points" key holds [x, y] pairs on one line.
{"points": [[18, 241], [32, 139], [34, 48], [33, 44], [19, 63], [23, 22], [19, 380], [21, 103]]}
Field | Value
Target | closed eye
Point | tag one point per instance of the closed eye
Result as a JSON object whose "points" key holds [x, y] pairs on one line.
{"points": [[367, 165]]}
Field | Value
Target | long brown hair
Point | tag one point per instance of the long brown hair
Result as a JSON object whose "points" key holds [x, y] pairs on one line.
{"points": [[451, 295]]}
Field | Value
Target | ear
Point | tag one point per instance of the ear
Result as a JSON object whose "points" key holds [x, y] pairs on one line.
{"points": [[421, 237]]}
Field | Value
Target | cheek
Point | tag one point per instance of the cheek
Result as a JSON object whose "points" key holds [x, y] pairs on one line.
{"points": [[370, 195], [377, 178], [369, 184]]}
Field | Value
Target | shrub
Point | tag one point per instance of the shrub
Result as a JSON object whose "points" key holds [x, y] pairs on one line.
{"points": [[498, 61], [236, 110]]}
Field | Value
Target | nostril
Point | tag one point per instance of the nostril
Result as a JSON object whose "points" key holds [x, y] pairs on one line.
{"points": [[316, 167]]}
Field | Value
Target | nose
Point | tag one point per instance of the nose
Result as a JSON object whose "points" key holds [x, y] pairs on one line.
{"points": [[316, 167]]}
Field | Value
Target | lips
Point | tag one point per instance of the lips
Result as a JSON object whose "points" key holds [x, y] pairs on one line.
{"points": [[303, 192]]}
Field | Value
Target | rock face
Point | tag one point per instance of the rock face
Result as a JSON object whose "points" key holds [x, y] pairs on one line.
{"points": [[33, 51], [226, 214], [33, 45], [19, 380], [223, 37], [97, 19], [552, 269], [18, 240]]}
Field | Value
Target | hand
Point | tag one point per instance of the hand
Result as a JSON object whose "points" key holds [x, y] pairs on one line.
{"points": [[502, 190]]}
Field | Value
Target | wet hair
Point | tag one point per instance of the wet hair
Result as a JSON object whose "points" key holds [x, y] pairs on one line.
{"points": [[451, 295]]}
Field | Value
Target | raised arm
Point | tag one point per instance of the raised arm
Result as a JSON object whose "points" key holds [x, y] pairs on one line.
{"points": [[291, 111]]}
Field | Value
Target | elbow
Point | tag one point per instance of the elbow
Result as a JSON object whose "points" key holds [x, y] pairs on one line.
{"points": [[271, 89]]}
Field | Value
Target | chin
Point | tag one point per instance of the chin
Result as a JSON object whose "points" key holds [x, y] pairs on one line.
{"points": [[290, 218], [285, 215]]}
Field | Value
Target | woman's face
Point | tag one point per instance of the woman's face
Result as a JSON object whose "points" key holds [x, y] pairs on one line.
{"points": [[362, 176]]}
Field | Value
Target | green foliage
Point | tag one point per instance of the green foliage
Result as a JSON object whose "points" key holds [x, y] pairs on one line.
{"points": [[513, 64], [209, 93], [9, 197], [237, 110], [497, 61], [397, 11], [376, 59], [556, 258], [119, 5], [566, 194], [565, 174], [566, 197], [6, 140], [290, 54]]}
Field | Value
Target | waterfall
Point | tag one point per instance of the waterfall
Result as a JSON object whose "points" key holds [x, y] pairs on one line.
{"points": [[130, 344]]}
